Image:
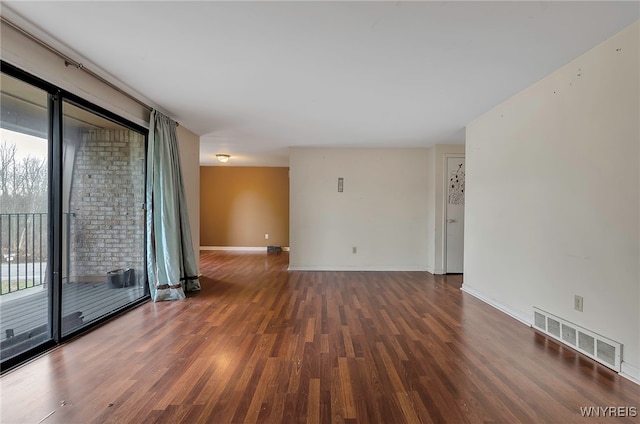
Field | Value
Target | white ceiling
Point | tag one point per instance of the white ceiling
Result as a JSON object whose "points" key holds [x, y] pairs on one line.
{"points": [[253, 78]]}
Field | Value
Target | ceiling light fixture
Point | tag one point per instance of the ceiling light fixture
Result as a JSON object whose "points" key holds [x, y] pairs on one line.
{"points": [[222, 158]]}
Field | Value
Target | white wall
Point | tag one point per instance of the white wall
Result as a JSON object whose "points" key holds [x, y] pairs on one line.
{"points": [[189, 146], [431, 209], [552, 205], [382, 211]]}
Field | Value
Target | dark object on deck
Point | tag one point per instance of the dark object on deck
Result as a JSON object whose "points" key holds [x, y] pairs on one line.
{"points": [[274, 249], [120, 278], [72, 320]]}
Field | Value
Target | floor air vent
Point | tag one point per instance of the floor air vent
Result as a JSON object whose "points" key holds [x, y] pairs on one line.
{"points": [[595, 346]]}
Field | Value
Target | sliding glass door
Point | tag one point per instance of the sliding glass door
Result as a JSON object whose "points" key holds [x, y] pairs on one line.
{"points": [[103, 183], [72, 218], [24, 216]]}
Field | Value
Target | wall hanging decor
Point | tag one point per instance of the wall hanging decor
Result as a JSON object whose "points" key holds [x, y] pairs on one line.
{"points": [[456, 187]]}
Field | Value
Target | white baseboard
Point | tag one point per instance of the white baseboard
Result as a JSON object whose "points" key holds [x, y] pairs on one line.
{"points": [[435, 271], [526, 320], [630, 372], [355, 268], [238, 248]]}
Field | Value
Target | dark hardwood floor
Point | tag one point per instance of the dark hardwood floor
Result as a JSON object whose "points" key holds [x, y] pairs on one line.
{"points": [[261, 344]]}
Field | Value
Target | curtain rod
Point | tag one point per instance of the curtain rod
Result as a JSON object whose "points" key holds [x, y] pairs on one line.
{"points": [[68, 61]]}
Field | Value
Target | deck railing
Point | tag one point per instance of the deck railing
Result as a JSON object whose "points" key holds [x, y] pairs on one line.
{"points": [[23, 251]]}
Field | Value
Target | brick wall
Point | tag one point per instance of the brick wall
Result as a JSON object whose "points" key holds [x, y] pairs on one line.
{"points": [[106, 220]]}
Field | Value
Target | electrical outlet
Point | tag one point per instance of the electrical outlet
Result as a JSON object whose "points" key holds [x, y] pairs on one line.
{"points": [[266, 236], [577, 303], [354, 250]]}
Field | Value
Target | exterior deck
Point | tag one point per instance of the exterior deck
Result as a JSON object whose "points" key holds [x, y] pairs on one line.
{"points": [[24, 314]]}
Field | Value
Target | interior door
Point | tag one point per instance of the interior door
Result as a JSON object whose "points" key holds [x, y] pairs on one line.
{"points": [[455, 214]]}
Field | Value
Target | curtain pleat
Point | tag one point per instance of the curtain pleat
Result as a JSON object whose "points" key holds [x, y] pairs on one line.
{"points": [[172, 266]]}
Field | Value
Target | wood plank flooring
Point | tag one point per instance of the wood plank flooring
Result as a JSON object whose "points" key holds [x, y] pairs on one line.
{"points": [[260, 344]]}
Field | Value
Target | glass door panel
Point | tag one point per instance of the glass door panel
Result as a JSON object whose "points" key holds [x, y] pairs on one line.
{"points": [[103, 188], [24, 215]]}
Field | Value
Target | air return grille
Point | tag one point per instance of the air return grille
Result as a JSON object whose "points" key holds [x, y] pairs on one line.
{"points": [[595, 346]]}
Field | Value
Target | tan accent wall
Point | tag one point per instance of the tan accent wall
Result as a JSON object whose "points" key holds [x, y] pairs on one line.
{"points": [[239, 205]]}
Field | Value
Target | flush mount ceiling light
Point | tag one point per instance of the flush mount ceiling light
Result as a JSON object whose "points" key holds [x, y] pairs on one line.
{"points": [[222, 158]]}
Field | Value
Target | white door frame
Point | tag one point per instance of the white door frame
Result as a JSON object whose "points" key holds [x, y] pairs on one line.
{"points": [[445, 202]]}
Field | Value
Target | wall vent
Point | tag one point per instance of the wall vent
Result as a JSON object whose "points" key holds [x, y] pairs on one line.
{"points": [[595, 346]]}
